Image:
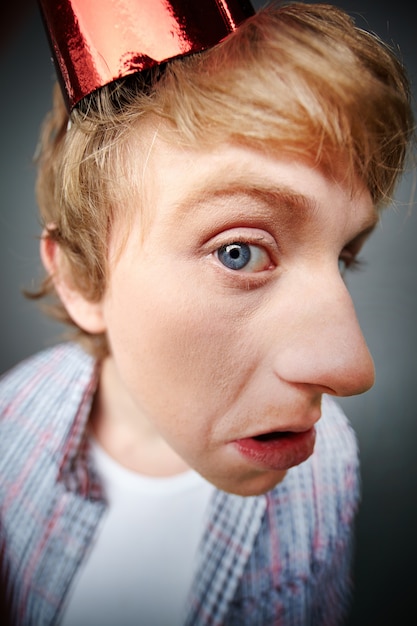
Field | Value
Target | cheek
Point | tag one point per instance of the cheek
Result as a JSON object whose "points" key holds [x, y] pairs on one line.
{"points": [[179, 352]]}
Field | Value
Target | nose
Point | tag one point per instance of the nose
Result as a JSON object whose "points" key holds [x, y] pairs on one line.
{"points": [[324, 345]]}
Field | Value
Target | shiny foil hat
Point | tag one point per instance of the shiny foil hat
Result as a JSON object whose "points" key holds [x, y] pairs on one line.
{"points": [[95, 42]]}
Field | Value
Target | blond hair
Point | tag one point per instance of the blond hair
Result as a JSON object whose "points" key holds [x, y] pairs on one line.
{"points": [[297, 78]]}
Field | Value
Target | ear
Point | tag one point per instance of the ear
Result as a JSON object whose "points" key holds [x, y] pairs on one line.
{"points": [[86, 314]]}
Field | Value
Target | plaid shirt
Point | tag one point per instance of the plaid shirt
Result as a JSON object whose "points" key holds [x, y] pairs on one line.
{"points": [[280, 559]]}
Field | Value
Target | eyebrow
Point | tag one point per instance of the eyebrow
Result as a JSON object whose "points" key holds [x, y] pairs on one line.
{"points": [[299, 207], [269, 194]]}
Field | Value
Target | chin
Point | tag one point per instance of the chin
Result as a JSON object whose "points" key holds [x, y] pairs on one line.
{"points": [[249, 486]]}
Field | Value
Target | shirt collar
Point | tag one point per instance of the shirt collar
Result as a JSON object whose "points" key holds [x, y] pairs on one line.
{"points": [[76, 470]]}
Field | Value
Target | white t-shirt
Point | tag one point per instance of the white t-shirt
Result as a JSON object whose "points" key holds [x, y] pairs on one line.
{"points": [[141, 566]]}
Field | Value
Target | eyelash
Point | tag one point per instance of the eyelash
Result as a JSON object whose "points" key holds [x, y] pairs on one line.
{"points": [[348, 261], [351, 263]]}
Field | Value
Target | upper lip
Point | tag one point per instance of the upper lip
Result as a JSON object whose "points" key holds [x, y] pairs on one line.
{"points": [[303, 426], [279, 432]]}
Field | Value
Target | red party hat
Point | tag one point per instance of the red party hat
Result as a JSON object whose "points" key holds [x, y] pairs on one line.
{"points": [[95, 42]]}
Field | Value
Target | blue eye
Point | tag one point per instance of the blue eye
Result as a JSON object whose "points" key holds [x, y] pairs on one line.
{"points": [[240, 255], [348, 263], [235, 256]]}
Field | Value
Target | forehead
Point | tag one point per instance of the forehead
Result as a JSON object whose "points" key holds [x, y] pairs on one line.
{"points": [[184, 183]]}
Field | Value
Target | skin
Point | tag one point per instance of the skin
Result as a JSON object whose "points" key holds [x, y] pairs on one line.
{"points": [[203, 355]]}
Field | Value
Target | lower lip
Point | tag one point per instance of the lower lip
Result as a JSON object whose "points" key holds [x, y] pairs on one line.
{"points": [[280, 452]]}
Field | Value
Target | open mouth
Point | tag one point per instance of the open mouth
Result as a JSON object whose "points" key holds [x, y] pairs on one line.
{"points": [[278, 449], [273, 436]]}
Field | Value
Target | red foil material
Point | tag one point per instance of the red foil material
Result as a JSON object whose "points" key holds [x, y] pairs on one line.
{"points": [[95, 42]]}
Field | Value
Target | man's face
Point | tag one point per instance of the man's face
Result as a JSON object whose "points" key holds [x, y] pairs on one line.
{"points": [[230, 319]]}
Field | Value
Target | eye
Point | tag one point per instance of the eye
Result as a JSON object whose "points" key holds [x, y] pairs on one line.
{"points": [[349, 262], [240, 255]]}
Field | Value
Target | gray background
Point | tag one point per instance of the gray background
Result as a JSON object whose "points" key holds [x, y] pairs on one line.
{"points": [[385, 296]]}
